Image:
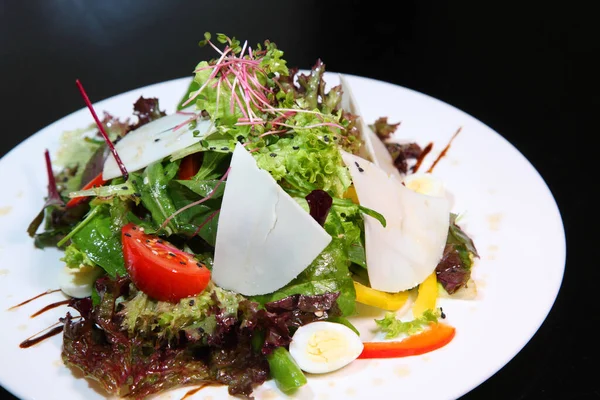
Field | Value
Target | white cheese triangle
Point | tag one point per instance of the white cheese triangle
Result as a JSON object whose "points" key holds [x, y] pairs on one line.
{"points": [[264, 237], [373, 148], [155, 141], [401, 255]]}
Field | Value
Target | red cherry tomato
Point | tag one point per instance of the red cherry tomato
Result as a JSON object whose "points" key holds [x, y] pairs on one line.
{"points": [[159, 269]]}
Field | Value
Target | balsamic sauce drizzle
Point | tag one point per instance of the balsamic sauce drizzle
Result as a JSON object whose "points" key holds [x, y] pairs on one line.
{"points": [[424, 153], [35, 339], [52, 330], [35, 297], [443, 153], [193, 391], [49, 307]]}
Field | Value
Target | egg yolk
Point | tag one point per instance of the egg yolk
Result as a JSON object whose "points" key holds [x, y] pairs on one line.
{"points": [[327, 345]]}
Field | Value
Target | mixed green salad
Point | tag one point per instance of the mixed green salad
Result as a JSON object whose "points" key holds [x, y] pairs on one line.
{"points": [[228, 241]]}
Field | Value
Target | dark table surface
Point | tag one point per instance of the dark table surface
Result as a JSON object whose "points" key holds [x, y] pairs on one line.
{"points": [[526, 71]]}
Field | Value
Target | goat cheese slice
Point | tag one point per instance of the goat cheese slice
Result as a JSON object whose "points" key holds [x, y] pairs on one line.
{"points": [[264, 237], [155, 141], [373, 148], [401, 255]]}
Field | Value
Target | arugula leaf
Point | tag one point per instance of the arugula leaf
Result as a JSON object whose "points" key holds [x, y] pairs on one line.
{"points": [[213, 166], [182, 194], [204, 187], [152, 185], [101, 244]]}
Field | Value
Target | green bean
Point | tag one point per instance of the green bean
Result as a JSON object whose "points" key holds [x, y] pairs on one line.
{"points": [[285, 371]]}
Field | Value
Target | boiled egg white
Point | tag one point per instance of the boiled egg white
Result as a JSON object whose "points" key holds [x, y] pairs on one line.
{"points": [[78, 282], [323, 346]]}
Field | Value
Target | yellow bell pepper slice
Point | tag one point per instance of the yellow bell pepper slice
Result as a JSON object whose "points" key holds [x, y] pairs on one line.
{"points": [[426, 296], [379, 299], [351, 194]]}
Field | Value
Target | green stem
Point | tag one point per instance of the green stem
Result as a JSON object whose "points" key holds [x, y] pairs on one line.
{"points": [[80, 225]]}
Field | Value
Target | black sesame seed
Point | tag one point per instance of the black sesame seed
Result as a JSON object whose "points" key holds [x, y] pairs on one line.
{"points": [[343, 215], [199, 265], [157, 139], [128, 234], [212, 148], [442, 313], [147, 240], [192, 302], [137, 194], [335, 138], [326, 139], [182, 262], [240, 139], [159, 241], [360, 169], [134, 228], [225, 148], [295, 147], [273, 155], [356, 163], [171, 254], [124, 188]]}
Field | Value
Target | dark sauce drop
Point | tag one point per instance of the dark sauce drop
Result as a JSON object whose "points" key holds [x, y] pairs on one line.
{"points": [[50, 307], [35, 340], [33, 298], [443, 153], [424, 153]]}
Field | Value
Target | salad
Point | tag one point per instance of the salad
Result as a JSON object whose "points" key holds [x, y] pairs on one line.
{"points": [[231, 241]]}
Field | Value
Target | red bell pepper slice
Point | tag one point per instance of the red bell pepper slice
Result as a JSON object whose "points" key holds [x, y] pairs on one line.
{"points": [[189, 166], [431, 339], [97, 181]]}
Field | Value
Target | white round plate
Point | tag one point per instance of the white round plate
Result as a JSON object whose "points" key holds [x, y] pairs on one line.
{"points": [[507, 209]]}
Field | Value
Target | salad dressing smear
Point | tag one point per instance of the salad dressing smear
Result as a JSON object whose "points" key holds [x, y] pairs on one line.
{"points": [[199, 244]]}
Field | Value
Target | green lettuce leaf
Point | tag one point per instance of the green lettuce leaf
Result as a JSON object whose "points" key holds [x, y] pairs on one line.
{"points": [[393, 327], [328, 273], [74, 258]]}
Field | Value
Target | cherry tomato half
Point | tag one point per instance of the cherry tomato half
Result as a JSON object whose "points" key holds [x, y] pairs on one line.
{"points": [[159, 269]]}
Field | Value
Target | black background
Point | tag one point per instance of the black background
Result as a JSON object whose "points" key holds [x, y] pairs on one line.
{"points": [[527, 71]]}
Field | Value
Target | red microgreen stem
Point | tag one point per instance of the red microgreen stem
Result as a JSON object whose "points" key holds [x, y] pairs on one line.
{"points": [[187, 121], [53, 196], [236, 97], [309, 126], [210, 217], [110, 145], [273, 132]]}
